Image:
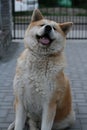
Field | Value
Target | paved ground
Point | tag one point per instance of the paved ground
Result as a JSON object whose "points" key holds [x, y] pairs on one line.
{"points": [[76, 70]]}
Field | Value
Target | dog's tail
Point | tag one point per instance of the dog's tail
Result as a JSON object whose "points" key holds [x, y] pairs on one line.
{"points": [[11, 126]]}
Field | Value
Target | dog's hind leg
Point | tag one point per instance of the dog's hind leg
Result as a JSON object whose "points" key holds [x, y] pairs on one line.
{"points": [[67, 122]]}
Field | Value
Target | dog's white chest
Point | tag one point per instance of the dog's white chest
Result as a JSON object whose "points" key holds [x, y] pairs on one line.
{"points": [[39, 86], [37, 92], [38, 81]]}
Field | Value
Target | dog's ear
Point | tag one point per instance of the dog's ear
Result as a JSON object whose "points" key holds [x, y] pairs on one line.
{"points": [[66, 27], [36, 16]]}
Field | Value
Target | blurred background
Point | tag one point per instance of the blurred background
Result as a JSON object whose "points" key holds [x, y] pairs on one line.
{"points": [[31, 4], [58, 10], [15, 16]]}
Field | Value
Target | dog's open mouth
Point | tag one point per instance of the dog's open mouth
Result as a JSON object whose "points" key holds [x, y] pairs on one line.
{"points": [[45, 39]]}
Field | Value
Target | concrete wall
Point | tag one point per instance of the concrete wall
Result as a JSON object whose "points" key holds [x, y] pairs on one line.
{"points": [[5, 15], [0, 16], [5, 24]]}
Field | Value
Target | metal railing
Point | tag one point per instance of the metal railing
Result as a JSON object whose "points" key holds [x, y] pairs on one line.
{"points": [[57, 11]]}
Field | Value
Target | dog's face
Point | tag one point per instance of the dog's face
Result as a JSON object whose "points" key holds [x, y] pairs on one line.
{"points": [[44, 36]]}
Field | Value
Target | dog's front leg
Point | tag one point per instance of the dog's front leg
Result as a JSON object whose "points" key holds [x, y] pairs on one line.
{"points": [[20, 116], [48, 116]]}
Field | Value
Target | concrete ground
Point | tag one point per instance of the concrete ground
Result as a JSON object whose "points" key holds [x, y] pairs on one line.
{"points": [[76, 52]]}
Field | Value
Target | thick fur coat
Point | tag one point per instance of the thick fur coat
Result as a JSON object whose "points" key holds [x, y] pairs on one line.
{"points": [[42, 91]]}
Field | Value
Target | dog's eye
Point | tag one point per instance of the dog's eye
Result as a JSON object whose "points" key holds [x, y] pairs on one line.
{"points": [[54, 28], [42, 25]]}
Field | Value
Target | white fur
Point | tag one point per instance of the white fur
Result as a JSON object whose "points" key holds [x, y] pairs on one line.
{"points": [[34, 83], [47, 121], [20, 117], [32, 43], [35, 87]]}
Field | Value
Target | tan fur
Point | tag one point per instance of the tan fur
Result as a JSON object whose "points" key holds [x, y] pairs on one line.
{"points": [[65, 106], [41, 89], [62, 98], [16, 102], [40, 22]]}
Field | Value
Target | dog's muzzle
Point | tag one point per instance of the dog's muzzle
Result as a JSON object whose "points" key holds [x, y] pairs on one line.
{"points": [[48, 29], [45, 39]]}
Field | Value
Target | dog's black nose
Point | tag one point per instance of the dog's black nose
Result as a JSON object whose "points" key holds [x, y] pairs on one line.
{"points": [[48, 28]]}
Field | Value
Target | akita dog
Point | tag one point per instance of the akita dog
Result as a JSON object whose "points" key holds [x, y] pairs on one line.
{"points": [[42, 91]]}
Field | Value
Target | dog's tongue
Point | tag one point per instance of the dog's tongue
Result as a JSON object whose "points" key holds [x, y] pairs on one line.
{"points": [[44, 40]]}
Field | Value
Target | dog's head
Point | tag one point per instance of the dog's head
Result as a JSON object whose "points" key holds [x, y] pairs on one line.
{"points": [[44, 36]]}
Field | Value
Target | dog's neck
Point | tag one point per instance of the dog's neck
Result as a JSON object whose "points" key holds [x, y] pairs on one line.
{"points": [[55, 60], [44, 55]]}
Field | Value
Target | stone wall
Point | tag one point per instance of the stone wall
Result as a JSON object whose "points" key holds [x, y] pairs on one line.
{"points": [[5, 13], [5, 24], [0, 16]]}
